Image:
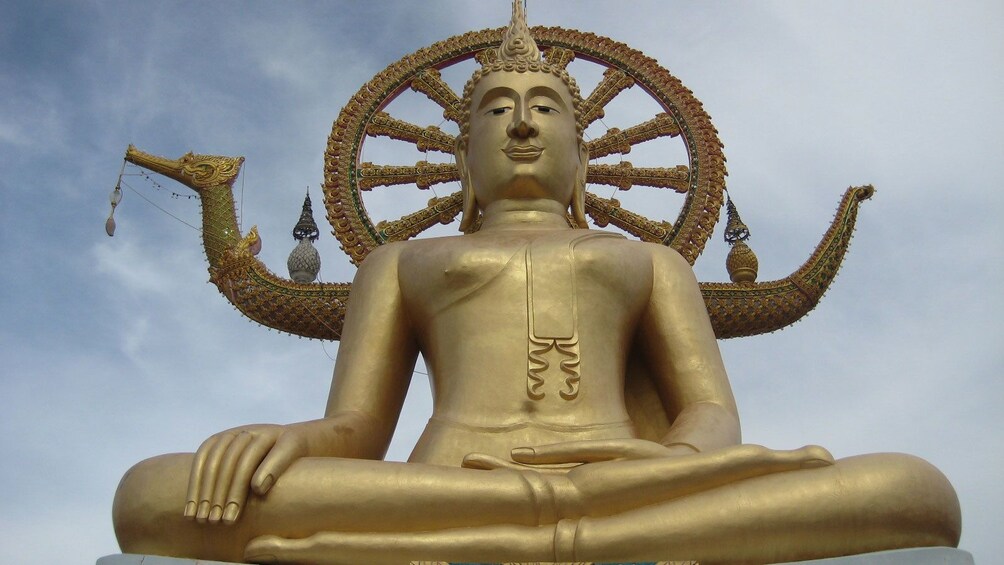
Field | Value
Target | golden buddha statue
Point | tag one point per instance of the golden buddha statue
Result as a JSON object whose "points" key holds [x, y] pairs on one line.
{"points": [[531, 329]]}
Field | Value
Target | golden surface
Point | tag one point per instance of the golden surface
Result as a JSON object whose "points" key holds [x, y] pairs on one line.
{"points": [[581, 410], [553, 563]]}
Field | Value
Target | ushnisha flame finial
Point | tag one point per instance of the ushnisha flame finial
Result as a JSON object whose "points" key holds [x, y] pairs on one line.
{"points": [[518, 44]]}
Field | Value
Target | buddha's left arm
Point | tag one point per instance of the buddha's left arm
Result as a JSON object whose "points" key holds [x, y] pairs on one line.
{"points": [[683, 358]]}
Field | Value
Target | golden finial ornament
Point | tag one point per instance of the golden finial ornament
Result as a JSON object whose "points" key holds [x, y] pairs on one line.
{"points": [[517, 43], [741, 263]]}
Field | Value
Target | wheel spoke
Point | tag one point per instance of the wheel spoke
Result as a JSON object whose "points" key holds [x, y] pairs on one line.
{"points": [[430, 83], [624, 175], [429, 138], [605, 211], [614, 81], [617, 141], [439, 211], [559, 56], [423, 174]]}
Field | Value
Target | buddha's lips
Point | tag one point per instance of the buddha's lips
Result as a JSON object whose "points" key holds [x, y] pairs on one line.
{"points": [[523, 152]]}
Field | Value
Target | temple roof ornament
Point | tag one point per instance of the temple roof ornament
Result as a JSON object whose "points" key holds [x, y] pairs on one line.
{"points": [[304, 261]]}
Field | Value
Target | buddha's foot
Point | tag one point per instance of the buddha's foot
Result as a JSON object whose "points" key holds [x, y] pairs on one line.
{"points": [[491, 543]]}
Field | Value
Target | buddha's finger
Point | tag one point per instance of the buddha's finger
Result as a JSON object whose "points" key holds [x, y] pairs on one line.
{"points": [[812, 456], [772, 460], [210, 470], [589, 451], [251, 457], [318, 548], [288, 448], [485, 462], [225, 474], [195, 476], [265, 549]]}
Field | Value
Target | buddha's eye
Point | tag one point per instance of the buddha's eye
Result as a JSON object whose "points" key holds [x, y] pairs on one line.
{"points": [[545, 109], [499, 111]]}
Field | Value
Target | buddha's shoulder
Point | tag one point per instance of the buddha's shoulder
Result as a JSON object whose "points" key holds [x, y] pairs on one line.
{"points": [[657, 252]]}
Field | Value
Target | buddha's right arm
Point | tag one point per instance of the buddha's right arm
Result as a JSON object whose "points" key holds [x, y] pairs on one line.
{"points": [[376, 358], [684, 359]]}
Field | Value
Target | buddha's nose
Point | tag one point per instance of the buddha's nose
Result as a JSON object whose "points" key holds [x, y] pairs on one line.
{"points": [[522, 125]]}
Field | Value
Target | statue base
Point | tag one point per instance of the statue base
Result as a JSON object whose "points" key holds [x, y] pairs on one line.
{"points": [[916, 556]]}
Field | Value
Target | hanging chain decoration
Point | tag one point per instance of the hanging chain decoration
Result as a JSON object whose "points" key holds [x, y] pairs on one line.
{"points": [[158, 186], [116, 196]]}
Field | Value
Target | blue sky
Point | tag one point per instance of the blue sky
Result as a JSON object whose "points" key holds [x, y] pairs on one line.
{"points": [[116, 349]]}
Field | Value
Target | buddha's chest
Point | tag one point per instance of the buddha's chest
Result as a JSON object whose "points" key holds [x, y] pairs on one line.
{"points": [[547, 273]]}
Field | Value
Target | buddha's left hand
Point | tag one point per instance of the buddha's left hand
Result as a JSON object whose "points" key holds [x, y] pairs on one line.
{"points": [[560, 457]]}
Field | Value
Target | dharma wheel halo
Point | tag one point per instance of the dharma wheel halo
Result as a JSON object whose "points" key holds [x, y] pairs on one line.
{"points": [[701, 180]]}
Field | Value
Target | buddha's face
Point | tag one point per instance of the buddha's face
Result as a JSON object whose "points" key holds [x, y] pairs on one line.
{"points": [[522, 142]]}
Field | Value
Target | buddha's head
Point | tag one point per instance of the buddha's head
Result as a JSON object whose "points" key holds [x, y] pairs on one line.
{"points": [[520, 135]]}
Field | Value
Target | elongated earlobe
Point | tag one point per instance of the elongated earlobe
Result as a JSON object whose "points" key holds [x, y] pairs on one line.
{"points": [[579, 192], [469, 208]]}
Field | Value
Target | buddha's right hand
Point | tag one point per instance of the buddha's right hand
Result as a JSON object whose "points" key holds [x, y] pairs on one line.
{"points": [[229, 462]]}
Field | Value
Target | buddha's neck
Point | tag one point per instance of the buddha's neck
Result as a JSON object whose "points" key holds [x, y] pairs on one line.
{"points": [[531, 214]]}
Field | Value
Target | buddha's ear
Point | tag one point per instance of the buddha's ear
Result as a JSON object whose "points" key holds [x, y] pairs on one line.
{"points": [[469, 208], [579, 192]]}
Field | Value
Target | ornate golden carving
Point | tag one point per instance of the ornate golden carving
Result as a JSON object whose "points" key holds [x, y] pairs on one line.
{"points": [[317, 310], [614, 81], [606, 211], [309, 310], [517, 44], [197, 171], [430, 138], [624, 175], [617, 141], [430, 83], [742, 263], [559, 56], [684, 114], [439, 211], [423, 174], [744, 309]]}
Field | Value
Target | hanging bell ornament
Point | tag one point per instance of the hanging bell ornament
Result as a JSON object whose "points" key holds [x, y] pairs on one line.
{"points": [[115, 197]]}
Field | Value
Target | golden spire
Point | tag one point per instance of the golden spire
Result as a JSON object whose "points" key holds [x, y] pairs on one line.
{"points": [[517, 44], [741, 262]]}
